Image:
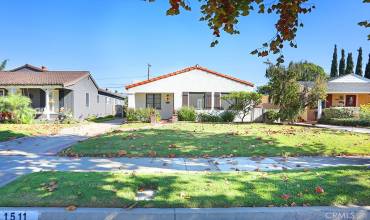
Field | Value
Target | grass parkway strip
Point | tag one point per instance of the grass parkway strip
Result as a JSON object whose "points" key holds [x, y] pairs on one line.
{"points": [[320, 187]]}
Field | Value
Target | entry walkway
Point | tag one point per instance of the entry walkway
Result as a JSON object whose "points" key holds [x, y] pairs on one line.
{"points": [[52, 144], [339, 128]]}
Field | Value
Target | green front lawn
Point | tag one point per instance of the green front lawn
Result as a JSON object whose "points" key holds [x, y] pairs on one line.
{"points": [[341, 186], [201, 139], [12, 131]]}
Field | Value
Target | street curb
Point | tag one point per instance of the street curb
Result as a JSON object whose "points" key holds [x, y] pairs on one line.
{"points": [[276, 213]]}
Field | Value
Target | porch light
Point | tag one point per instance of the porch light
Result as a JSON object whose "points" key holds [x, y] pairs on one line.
{"points": [[167, 98]]}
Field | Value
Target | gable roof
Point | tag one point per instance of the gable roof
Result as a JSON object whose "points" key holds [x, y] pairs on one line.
{"points": [[28, 67], [35, 76], [196, 67], [62, 78], [354, 78]]}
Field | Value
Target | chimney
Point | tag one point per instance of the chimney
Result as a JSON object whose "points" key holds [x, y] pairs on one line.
{"points": [[44, 68]]}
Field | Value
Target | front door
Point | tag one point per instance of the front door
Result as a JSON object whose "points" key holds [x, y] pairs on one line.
{"points": [[329, 101], [350, 100]]}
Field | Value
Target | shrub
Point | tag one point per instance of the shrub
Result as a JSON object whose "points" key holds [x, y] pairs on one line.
{"points": [[365, 111], [94, 118], [270, 116], [227, 116], [345, 122], [66, 117], [186, 114], [17, 108], [142, 114], [341, 112], [208, 117]]}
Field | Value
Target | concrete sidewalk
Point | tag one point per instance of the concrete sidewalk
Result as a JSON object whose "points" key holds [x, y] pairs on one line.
{"points": [[13, 166], [339, 128], [276, 213]]}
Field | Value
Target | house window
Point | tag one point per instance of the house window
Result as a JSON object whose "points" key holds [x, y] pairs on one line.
{"points": [[197, 100], [97, 99], [87, 100], [226, 103], [2, 92], [153, 101]]}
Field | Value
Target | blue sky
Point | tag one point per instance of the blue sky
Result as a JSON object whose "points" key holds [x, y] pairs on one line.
{"points": [[115, 39]]}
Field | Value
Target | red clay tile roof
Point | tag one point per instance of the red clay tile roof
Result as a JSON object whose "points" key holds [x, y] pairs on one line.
{"points": [[196, 67], [62, 78]]}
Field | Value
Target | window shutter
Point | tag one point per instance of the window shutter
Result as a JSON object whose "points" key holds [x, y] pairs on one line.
{"points": [[208, 100], [185, 99], [217, 100]]}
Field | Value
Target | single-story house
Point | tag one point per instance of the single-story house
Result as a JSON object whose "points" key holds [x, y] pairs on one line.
{"points": [[194, 86], [349, 90], [51, 91]]}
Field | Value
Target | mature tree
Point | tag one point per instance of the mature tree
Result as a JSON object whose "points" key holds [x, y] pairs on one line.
{"points": [[349, 67], [291, 95], [264, 90], [342, 64], [307, 71], [243, 102], [224, 15], [367, 69], [3, 64], [358, 70], [334, 63]]}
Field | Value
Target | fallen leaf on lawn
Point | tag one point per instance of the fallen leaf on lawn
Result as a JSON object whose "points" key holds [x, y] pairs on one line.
{"points": [[152, 153], [122, 153], [319, 190], [172, 146], [306, 169], [71, 208], [285, 196], [183, 195]]}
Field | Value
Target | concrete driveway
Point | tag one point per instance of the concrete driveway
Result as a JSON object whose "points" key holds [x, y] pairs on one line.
{"points": [[52, 144]]}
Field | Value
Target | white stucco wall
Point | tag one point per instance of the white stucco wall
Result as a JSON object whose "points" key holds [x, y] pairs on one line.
{"points": [[192, 81]]}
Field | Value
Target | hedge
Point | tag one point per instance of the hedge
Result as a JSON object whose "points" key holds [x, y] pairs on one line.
{"points": [[346, 122]]}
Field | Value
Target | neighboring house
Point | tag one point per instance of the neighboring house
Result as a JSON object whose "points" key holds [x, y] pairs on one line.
{"points": [[344, 91], [50, 91], [195, 86]]}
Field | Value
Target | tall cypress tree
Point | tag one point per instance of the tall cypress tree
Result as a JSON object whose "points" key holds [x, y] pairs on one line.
{"points": [[350, 65], [334, 64], [367, 69], [359, 63], [342, 64]]}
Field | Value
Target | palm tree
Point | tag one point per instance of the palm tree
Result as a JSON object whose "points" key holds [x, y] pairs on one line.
{"points": [[3, 65]]}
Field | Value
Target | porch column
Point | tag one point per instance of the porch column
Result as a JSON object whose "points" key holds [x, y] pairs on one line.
{"points": [[131, 100], [47, 104], [212, 101], [319, 109]]}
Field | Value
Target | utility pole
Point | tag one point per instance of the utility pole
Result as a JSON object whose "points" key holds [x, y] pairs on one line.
{"points": [[149, 65]]}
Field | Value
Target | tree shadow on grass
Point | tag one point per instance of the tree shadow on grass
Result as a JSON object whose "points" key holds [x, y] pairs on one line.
{"points": [[6, 135]]}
